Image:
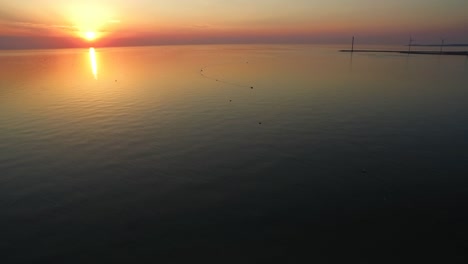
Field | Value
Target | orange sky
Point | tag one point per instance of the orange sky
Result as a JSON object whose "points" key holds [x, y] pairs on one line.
{"points": [[55, 23]]}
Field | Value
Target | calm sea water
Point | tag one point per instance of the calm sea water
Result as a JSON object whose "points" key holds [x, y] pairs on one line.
{"points": [[232, 154]]}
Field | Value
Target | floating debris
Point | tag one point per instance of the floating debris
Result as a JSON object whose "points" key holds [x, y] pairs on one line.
{"points": [[213, 78]]}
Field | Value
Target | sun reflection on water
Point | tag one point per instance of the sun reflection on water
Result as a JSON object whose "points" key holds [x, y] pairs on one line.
{"points": [[92, 58]]}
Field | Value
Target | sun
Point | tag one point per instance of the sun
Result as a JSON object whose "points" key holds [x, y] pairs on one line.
{"points": [[90, 35]]}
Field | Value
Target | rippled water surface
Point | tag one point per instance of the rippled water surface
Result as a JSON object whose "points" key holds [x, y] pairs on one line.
{"points": [[232, 154]]}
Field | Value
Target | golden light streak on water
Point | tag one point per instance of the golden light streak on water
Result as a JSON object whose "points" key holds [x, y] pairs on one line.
{"points": [[92, 58]]}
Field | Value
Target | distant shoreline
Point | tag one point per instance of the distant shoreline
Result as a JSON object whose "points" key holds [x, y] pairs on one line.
{"points": [[459, 53], [438, 45]]}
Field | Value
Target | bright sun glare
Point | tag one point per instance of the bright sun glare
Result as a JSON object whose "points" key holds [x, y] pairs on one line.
{"points": [[90, 35]]}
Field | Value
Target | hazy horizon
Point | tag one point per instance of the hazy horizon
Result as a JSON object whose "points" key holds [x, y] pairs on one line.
{"points": [[59, 24]]}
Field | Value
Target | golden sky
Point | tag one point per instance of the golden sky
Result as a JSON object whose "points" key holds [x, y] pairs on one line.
{"points": [[141, 22]]}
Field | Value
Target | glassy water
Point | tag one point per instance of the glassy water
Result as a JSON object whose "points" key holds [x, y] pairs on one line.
{"points": [[232, 154]]}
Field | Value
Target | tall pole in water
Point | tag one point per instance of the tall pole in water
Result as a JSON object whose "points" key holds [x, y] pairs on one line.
{"points": [[409, 45], [442, 44], [352, 45]]}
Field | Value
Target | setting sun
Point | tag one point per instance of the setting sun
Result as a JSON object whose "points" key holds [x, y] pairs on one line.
{"points": [[90, 35]]}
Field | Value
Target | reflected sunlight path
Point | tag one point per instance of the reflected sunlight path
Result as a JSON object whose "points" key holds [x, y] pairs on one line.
{"points": [[92, 58]]}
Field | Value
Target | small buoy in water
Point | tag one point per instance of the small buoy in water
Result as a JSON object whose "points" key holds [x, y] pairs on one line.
{"points": [[259, 123], [230, 100], [251, 87]]}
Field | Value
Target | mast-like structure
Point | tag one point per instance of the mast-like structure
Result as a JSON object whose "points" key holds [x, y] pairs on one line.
{"points": [[410, 43], [441, 44]]}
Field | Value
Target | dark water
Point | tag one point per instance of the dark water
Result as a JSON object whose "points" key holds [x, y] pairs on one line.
{"points": [[232, 154]]}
